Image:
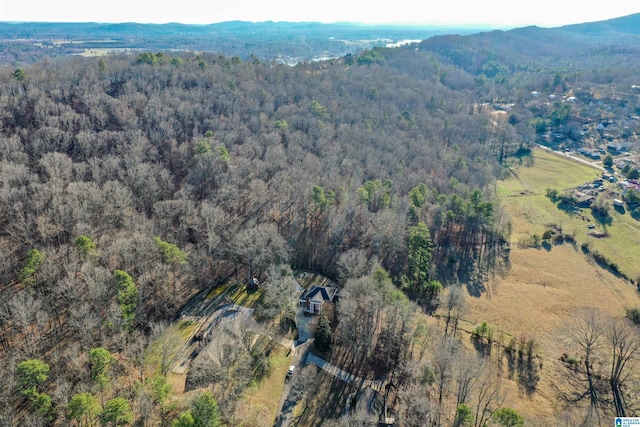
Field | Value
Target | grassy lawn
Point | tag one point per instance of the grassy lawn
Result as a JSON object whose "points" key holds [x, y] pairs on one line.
{"points": [[308, 279], [622, 245], [219, 290], [548, 171], [166, 346], [247, 298], [523, 195], [260, 402]]}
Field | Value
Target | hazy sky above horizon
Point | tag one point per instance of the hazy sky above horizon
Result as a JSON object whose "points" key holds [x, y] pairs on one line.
{"points": [[546, 13]]}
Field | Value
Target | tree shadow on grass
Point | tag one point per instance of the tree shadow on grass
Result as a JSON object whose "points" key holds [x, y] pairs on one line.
{"points": [[327, 398], [603, 220], [569, 208], [603, 262], [474, 283], [528, 374]]}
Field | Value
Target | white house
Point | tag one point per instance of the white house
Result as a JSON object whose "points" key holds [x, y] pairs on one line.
{"points": [[618, 146], [313, 299]]}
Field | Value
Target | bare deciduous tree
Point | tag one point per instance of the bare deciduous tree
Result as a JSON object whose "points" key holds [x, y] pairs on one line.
{"points": [[489, 395], [623, 342], [467, 371], [584, 332], [456, 306], [260, 246], [352, 264]]}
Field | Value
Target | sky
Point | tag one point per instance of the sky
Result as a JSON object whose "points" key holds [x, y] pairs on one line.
{"points": [[503, 13]]}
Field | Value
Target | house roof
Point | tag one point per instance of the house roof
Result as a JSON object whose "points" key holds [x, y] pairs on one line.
{"points": [[584, 199], [319, 292]]}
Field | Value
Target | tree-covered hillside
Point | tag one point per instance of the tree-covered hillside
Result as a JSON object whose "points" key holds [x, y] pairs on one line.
{"points": [[235, 163], [130, 183], [581, 47]]}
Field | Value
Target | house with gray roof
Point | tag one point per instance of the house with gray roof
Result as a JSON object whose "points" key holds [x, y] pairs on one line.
{"points": [[315, 297]]}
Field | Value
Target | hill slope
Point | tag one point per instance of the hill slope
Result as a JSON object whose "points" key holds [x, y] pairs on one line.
{"points": [[535, 47]]}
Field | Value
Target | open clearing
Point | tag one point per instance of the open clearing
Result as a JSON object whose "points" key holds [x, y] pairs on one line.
{"points": [[532, 212], [104, 51], [546, 286], [540, 294], [259, 404]]}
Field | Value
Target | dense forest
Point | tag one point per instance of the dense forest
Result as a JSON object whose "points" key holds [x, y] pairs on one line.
{"points": [[130, 183]]}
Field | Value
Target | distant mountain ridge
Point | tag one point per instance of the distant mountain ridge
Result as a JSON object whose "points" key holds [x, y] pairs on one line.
{"points": [[535, 45], [289, 42], [474, 49], [49, 29], [629, 24]]}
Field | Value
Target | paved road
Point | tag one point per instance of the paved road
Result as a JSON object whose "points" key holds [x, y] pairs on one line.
{"points": [[332, 369], [343, 375], [304, 357], [289, 397], [596, 165]]}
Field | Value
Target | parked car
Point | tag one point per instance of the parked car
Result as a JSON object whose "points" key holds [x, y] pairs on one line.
{"points": [[290, 372]]}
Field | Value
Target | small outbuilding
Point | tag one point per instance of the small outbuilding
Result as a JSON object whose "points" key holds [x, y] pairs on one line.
{"points": [[253, 283]]}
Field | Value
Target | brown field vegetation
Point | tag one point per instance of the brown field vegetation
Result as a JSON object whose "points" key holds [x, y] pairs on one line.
{"points": [[544, 288]]}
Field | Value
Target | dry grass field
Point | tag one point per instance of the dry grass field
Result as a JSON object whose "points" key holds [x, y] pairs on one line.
{"points": [[537, 298], [532, 212], [546, 286]]}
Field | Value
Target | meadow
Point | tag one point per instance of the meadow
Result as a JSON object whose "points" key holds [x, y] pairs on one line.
{"points": [[547, 285], [524, 197]]}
